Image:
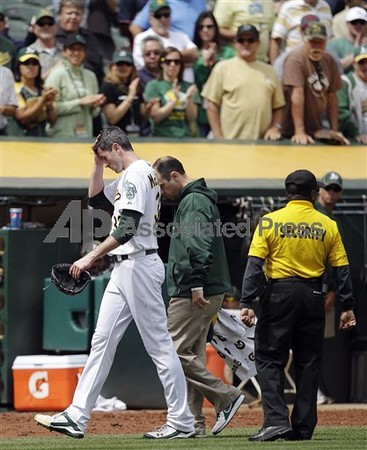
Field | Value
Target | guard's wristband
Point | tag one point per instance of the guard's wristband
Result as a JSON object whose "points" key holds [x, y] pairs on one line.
{"points": [[196, 289]]}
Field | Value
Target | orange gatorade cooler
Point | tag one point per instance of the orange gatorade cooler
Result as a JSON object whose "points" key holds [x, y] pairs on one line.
{"points": [[216, 365], [45, 382]]}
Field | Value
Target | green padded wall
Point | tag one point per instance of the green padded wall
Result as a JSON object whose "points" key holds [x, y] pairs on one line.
{"points": [[25, 261]]}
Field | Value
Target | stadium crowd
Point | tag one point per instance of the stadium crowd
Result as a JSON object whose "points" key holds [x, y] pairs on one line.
{"points": [[286, 69]]}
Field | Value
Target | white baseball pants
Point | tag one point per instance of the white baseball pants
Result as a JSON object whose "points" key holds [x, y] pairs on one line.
{"points": [[133, 292]]}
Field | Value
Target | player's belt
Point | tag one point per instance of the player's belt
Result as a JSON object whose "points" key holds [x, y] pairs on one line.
{"points": [[120, 258], [298, 279]]}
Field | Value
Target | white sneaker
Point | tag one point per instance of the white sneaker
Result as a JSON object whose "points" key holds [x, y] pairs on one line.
{"points": [[225, 416], [168, 432], [60, 423]]}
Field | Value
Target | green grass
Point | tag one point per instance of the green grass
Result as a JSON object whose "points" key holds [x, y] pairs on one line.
{"points": [[325, 438]]}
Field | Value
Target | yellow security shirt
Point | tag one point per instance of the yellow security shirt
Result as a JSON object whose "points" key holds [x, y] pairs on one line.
{"points": [[297, 240]]}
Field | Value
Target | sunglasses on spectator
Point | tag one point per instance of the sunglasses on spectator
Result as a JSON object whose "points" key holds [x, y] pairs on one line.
{"points": [[333, 187], [201, 27], [152, 52], [168, 62], [247, 40], [45, 23], [30, 62], [166, 15], [358, 22]]}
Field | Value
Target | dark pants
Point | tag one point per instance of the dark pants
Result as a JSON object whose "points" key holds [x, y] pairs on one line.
{"points": [[292, 317]]}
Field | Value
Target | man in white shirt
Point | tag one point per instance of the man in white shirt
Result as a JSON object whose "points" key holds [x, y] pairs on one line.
{"points": [[286, 33], [160, 21], [49, 51]]}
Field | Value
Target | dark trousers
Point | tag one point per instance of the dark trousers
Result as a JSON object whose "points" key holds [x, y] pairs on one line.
{"points": [[292, 317]]}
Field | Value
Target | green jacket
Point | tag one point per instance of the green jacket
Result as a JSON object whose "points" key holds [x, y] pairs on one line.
{"points": [[73, 83], [197, 255]]}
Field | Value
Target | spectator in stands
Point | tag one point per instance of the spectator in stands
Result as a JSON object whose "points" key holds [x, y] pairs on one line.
{"points": [[230, 15], [286, 33], [124, 104], [352, 99], [343, 47], [70, 17], [56, 4], [276, 6], [152, 48], [127, 11], [310, 81], [245, 98], [340, 28], [7, 53], [207, 39], [102, 16], [184, 16], [78, 101], [36, 103], [160, 20], [4, 29], [329, 196], [279, 62], [8, 99], [49, 51], [176, 111]]}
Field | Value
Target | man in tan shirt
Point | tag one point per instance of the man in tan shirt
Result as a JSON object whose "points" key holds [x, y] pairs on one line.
{"points": [[244, 97]]}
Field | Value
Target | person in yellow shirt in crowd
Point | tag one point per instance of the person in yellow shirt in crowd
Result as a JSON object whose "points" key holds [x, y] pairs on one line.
{"points": [[294, 243]]}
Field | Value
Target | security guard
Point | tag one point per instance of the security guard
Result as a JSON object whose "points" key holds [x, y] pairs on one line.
{"points": [[295, 243]]}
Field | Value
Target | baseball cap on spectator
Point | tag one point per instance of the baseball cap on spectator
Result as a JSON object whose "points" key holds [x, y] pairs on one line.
{"points": [[74, 39], [248, 29], [303, 180], [27, 53], [123, 56], [332, 179], [308, 18], [356, 13], [360, 53], [43, 13], [315, 30], [156, 5]]}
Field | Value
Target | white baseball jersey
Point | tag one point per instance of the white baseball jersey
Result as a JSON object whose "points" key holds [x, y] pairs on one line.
{"points": [[136, 189]]}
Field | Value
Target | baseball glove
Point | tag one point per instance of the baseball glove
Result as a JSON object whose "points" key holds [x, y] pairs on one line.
{"points": [[65, 283], [329, 137]]}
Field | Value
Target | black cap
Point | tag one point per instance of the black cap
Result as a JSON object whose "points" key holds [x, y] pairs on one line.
{"points": [[74, 39], [304, 180], [248, 28]]}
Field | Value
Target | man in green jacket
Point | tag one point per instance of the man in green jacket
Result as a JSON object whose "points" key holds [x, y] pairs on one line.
{"points": [[197, 278]]}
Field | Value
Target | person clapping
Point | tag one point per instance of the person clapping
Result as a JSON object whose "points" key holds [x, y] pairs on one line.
{"points": [[78, 100]]}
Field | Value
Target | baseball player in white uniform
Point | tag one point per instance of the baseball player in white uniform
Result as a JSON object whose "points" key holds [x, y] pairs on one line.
{"points": [[133, 292]]}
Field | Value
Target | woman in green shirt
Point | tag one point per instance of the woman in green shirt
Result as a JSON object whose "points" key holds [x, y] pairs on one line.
{"points": [[78, 101], [173, 102]]}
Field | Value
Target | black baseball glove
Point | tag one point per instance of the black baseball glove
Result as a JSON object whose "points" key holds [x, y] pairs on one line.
{"points": [[65, 283]]}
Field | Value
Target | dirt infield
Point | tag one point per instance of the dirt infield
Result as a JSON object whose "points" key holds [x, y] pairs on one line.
{"points": [[15, 424]]}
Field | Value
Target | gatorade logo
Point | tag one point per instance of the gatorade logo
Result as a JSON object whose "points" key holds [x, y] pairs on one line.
{"points": [[38, 385]]}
